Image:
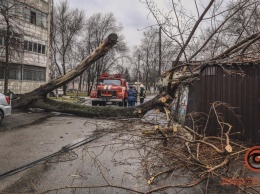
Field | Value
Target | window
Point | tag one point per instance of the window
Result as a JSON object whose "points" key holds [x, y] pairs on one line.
{"points": [[30, 46], [33, 73], [39, 48], [27, 74], [33, 17], [43, 49], [24, 72], [15, 71], [15, 39], [26, 45], [35, 47], [111, 82]]}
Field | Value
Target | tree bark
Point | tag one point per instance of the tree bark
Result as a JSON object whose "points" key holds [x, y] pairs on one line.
{"points": [[7, 53], [102, 112]]}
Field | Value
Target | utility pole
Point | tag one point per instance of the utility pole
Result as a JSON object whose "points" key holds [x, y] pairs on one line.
{"points": [[138, 66], [160, 50], [147, 68]]}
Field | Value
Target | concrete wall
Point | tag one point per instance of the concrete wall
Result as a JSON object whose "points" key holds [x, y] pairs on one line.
{"points": [[37, 4], [35, 59], [21, 86]]}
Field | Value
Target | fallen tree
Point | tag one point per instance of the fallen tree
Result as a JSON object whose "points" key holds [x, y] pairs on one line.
{"points": [[38, 97]]}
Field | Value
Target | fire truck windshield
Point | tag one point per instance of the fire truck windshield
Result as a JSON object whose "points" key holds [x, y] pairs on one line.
{"points": [[110, 82]]}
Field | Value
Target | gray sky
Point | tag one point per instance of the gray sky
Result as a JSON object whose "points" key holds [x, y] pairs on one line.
{"points": [[132, 14]]}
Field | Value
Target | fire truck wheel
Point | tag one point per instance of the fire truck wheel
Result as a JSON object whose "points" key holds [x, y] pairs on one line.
{"points": [[120, 103], [102, 103], [94, 103]]}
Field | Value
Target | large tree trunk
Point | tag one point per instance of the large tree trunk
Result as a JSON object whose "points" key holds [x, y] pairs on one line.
{"points": [[103, 112], [37, 98]]}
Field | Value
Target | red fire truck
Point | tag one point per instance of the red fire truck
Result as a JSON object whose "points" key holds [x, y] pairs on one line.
{"points": [[110, 88]]}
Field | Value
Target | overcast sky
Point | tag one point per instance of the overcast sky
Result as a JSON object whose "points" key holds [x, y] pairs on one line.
{"points": [[132, 14]]}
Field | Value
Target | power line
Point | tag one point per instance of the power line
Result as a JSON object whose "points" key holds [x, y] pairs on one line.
{"points": [[80, 142]]}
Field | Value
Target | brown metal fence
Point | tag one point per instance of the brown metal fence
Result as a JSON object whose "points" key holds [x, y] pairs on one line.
{"points": [[241, 92]]}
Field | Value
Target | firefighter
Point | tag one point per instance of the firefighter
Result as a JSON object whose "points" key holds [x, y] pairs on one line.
{"points": [[131, 96], [142, 93]]}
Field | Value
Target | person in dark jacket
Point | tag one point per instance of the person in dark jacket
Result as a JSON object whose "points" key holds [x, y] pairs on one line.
{"points": [[131, 96], [142, 93], [136, 94]]}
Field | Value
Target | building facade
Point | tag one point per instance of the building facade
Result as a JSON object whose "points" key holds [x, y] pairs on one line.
{"points": [[29, 43]]}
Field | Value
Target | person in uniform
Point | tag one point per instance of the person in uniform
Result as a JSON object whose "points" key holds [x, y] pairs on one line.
{"points": [[142, 93]]}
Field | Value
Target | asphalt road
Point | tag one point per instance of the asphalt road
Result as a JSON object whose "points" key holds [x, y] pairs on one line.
{"points": [[118, 158], [115, 159], [26, 137]]}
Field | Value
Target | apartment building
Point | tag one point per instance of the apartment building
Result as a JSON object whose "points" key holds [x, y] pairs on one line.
{"points": [[29, 43]]}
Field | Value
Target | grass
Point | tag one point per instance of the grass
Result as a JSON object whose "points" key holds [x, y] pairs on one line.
{"points": [[84, 94], [71, 99]]}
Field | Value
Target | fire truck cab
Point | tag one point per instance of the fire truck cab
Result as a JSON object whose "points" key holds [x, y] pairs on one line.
{"points": [[110, 88]]}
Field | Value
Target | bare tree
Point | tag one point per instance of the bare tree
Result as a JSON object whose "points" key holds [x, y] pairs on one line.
{"points": [[97, 28], [149, 56], [11, 35], [213, 24], [67, 24]]}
